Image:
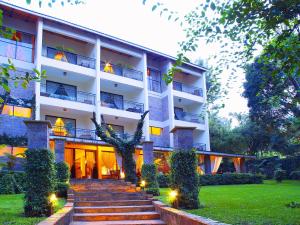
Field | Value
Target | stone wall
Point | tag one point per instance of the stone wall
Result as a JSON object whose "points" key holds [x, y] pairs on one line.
{"points": [[163, 140], [158, 109], [12, 126]]}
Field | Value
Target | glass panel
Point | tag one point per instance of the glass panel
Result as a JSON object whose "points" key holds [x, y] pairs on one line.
{"points": [[155, 131], [179, 113], [80, 163], [62, 91], [19, 151], [22, 112], [8, 110], [62, 126], [90, 163], [5, 149], [112, 100]]}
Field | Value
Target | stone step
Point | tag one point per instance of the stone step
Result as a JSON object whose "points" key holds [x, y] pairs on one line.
{"points": [[109, 198], [121, 222], [105, 193], [114, 209], [113, 203], [115, 216]]}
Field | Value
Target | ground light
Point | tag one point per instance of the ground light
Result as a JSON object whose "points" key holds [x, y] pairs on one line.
{"points": [[53, 199], [122, 175], [173, 194], [143, 184]]}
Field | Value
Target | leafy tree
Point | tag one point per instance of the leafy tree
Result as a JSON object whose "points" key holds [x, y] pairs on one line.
{"points": [[123, 145]]}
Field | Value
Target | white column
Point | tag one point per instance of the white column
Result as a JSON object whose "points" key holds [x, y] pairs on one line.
{"points": [[206, 132], [146, 99], [171, 107], [98, 60], [37, 60]]}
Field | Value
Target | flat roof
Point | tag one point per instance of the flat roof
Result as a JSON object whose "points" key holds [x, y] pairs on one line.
{"points": [[98, 33]]}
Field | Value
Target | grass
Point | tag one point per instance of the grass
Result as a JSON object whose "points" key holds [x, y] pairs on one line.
{"points": [[11, 210], [253, 204]]}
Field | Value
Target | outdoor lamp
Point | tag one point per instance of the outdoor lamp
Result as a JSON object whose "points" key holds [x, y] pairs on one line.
{"points": [[53, 198], [143, 184], [173, 198]]}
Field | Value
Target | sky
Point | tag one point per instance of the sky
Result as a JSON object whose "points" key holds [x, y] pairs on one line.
{"points": [[132, 21]]}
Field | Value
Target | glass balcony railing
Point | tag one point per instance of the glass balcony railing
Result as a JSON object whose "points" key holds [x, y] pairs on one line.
{"points": [[129, 106], [64, 131], [154, 85], [178, 86], [200, 146], [128, 136], [121, 71], [78, 96], [69, 57], [194, 118]]}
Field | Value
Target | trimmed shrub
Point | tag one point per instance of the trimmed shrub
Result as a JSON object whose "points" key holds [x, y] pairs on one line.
{"points": [[40, 182], [12, 182], [62, 172], [280, 175], [295, 175], [6, 184], [184, 178], [62, 189], [163, 180], [149, 174], [230, 178]]}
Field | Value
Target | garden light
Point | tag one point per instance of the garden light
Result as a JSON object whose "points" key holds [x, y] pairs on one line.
{"points": [[122, 175], [173, 195], [53, 198], [143, 183]]}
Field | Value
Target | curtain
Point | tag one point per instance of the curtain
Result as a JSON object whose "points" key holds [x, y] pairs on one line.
{"points": [[108, 162], [201, 166], [119, 160], [215, 162], [237, 164]]}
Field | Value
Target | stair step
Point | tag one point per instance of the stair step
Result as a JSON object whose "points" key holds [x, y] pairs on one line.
{"points": [[113, 203], [114, 209], [121, 222], [110, 198], [115, 216]]}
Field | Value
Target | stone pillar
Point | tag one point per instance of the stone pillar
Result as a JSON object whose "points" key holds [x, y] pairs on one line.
{"points": [[242, 165], [183, 138], [207, 164], [148, 152], [38, 133], [59, 149]]}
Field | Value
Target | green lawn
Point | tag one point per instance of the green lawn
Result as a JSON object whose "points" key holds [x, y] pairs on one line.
{"points": [[262, 204], [11, 210]]}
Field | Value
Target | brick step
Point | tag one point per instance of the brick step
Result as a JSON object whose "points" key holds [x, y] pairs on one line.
{"points": [[109, 197], [121, 222], [114, 209], [113, 203], [115, 216], [106, 193]]}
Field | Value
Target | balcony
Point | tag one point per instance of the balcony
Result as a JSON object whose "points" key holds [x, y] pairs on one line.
{"points": [[200, 146], [20, 50], [178, 86], [129, 106], [62, 131], [154, 85], [189, 117], [69, 57], [65, 92], [122, 71]]}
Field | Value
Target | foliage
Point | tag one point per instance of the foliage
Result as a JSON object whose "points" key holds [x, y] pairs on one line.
{"points": [[123, 145], [279, 175], [12, 182], [163, 180], [184, 178], [61, 189], [293, 205], [62, 172], [248, 204], [149, 174], [265, 166], [230, 178], [295, 175], [40, 182]]}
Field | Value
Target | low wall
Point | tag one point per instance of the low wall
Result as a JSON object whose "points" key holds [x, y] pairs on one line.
{"points": [[177, 217], [61, 217]]}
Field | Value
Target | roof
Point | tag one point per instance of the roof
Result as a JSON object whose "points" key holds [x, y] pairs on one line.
{"points": [[225, 154], [41, 15]]}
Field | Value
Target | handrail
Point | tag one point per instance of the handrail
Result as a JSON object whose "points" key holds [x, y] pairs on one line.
{"points": [[80, 133], [189, 117], [130, 106], [179, 86], [154, 85], [200, 146]]}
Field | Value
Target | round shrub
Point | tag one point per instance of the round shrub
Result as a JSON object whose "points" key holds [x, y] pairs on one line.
{"points": [[149, 174], [295, 175], [184, 178], [40, 182], [163, 180], [280, 175], [61, 189], [62, 172]]}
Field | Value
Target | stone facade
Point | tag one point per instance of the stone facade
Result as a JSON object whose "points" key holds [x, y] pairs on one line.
{"points": [[183, 138], [163, 140], [38, 133], [158, 109], [59, 149], [148, 152], [12, 126]]}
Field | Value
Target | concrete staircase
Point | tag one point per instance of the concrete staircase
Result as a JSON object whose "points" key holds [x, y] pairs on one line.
{"points": [[111, 202]]}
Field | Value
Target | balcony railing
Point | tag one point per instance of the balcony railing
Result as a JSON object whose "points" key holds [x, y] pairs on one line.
{"points": [[16, 50], [178, 86], [200, 146], [125, 105], [73, 133], [125, 135], [80, 96], [121, 71], [184, 116], [154, 85], [69, 57]]}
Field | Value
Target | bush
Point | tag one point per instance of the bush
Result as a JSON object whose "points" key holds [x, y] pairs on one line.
{"points": [[184, 178], [163, 180], [40, 182], [61, 189], [12, 182], [295, 175], [280, 175], [62, 172], [149, 174]]}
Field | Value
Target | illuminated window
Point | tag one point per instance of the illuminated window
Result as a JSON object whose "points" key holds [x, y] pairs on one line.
{"points": [[155, 131], [16, 111], [19, 151], [8, 110]]}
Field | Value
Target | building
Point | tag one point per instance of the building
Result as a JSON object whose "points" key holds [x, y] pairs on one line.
{"points": [[88, 71]]}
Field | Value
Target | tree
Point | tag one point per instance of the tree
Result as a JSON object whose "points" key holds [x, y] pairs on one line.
{"points": [[123, 145]]}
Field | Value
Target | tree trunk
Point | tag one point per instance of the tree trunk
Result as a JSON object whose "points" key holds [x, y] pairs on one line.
{"points": [[129, 167]]}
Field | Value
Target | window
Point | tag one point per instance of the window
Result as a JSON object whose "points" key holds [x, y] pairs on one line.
{"points": [[62, 91], [16, 151], [112, 100], [62, 126], [155, 131], [17, 111]]}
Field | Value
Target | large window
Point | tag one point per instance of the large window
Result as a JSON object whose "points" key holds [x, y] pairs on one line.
{"points": [[112, 100], [16, 151], [17, 111], [155, 130], [62, 91], [65, 127], [154, 80]]}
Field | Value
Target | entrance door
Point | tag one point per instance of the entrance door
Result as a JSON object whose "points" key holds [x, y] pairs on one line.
{"points": [[91, 166], [85, 164]]}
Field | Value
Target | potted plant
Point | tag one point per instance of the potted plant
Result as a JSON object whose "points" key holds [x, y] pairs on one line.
{"points": [[60, 54]]}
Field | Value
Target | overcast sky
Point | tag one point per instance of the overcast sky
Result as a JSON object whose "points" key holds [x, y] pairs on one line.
{"points": [[132, 21]]}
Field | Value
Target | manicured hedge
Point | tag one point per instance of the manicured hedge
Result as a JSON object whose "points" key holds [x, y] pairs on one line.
{"points": [[12, 182], [280, 175], [230, 178], [149, 174], [164, 180], [184, 179], [62, 172], [40, 182]]}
